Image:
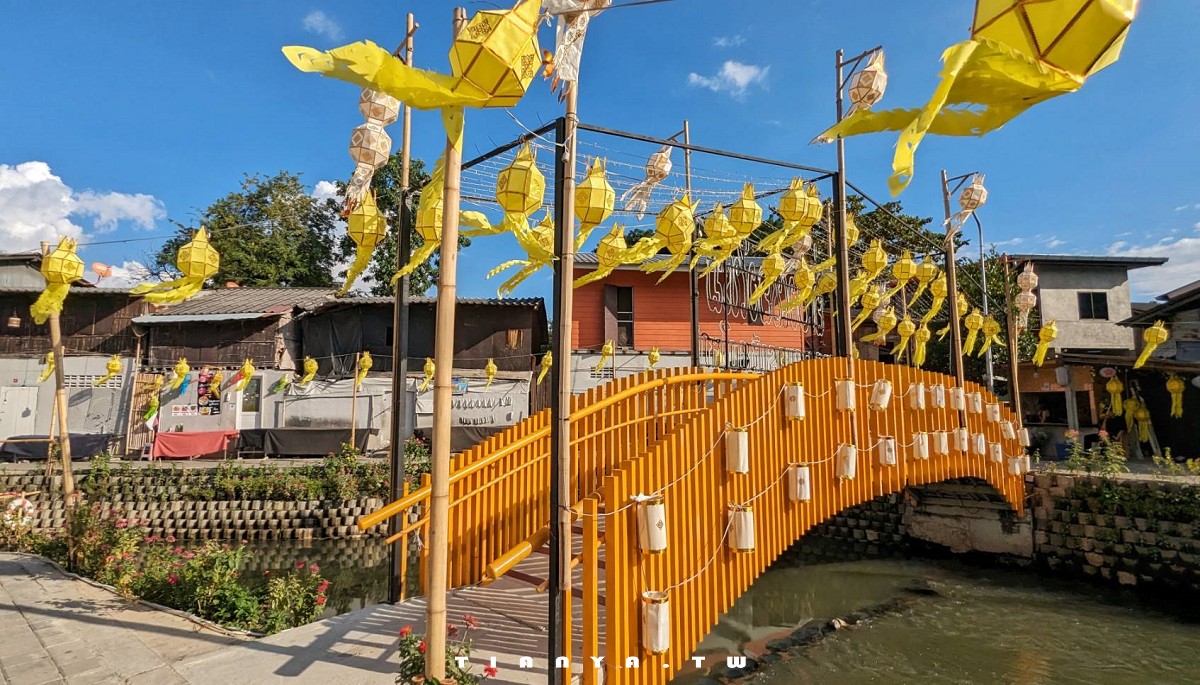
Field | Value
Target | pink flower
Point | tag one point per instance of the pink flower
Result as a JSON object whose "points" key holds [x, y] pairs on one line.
{"points": [[489, 671], [313, 568], [188, 555], [151, 539], [171, 539], [421, 646], [173, 579], [323, 586], [452, 630], [471, 621], [406, 631], [122, 523]]}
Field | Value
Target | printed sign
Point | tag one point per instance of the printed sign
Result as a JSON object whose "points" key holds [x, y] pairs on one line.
{"points": [[184, 410], [208, 395]]}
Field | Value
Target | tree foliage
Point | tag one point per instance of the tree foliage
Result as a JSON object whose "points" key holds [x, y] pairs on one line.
{"points": [[271, 232]]}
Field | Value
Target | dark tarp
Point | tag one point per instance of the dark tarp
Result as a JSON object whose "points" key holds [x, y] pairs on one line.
{"points": [[251, 439], [333, 333], [83, 446], [304, 442]]}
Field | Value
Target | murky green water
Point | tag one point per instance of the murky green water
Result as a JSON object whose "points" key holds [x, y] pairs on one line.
{"points": [[981, 627]]}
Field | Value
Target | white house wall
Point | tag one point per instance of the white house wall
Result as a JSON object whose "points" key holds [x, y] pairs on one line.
{"points": [[90, 409], [506, 402], [1058, 294]]}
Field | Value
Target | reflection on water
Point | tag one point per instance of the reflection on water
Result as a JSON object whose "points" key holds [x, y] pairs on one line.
{"points": [[356, 569]]}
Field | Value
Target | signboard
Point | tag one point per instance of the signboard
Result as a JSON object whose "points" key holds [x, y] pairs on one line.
{"points": [[459, 386], [208, 395], [184, 410]]}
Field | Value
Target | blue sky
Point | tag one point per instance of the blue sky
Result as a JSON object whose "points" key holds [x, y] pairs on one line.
{"points": [[119, 117]]}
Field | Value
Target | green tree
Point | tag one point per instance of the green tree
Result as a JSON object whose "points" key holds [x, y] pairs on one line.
{"points": [[271, 232], [388, 191]]}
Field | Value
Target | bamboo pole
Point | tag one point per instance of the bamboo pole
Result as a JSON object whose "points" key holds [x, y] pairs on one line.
{"points": [[60, 400], [693, 285], [1014, 358], [354, 404], [443, 356]]}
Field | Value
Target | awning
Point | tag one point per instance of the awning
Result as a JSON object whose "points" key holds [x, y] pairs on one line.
{"points": [[188, 318], [1152, 364]]}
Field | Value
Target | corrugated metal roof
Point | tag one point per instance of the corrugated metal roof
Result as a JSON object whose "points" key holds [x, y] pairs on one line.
{"points": [[1086, 260], [496, 301], [249, 300], [189, 318], [20, 256], [76, 289]]}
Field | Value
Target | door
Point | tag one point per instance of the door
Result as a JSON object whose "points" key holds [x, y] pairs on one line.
{"points": [[249, 415], [17, 411]]}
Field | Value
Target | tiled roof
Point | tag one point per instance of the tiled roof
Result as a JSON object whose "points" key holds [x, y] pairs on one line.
{"points": [[249, 300], [76, 289]]}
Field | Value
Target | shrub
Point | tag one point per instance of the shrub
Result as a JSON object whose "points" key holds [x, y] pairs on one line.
{"points": [[412, 656], [1106, 459]]}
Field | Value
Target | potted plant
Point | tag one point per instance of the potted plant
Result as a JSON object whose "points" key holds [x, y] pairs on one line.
{"points": [[411, 651]]}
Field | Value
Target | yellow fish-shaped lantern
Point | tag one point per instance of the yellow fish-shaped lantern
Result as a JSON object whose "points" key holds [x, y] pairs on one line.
{"points": [[826, 284], [718, 359], [429, 369], [772, 268], [920, 342], [871, 300], [658, 167], [851, 230], [520, 191], [938, 288], [1142, 416], [1175, 386], [245, 374], [653, 357], [803, 281], [49, 361], [991, 334], [490, 371], [367, 228], [1046, 335], [974, 323], [885, 323], [1131, 406], [904, 270], [364, 365], [905, 330], [720, 240], [800, 208], [1152, 337], [492, 62], [60, 268], [428, 221], [181, 373], [673, 229], [927, 271], [539, 246], [606, 353], [611, 252], [962, 305], [111, 368], [310, 371], [594, 199], [746, 214], [197, 261], [217, 379], [1021, 53], [874, 259], [547, 362], [1114, 387]]}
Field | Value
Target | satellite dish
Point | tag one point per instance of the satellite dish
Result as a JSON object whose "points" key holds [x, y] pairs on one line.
{"points": [[1108, 372], [102, 270]]}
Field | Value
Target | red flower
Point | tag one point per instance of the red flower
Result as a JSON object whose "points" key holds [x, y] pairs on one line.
{"points": [[171, 538], [452, 630], [320, 601], [299, 564], [189, 555], [471, 621], [323, 586], [406, 631], [173, 579], [489, 671], [122, 523], [421, 646]]}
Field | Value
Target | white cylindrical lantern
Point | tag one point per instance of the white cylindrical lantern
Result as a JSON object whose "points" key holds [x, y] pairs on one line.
{"points": [[799, 483], [1016, 466], [958, 400], [993, 412], [1023, 435], [979, 443], [656, 622], [941, 443], [921, 445], [741, 528], [652, 524], [975, 402], [1008, 431], [916, 396], [1026, 463], [881, 395], [962, 439], [737, 451], [996, 453], [937, 396], [845, 394], [887, 450], [794, 400], [847, 462]]}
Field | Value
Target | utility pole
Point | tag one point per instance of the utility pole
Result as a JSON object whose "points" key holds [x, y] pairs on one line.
{"points": [[400, 428], [956, 360], [693, 285], [991, 381]]}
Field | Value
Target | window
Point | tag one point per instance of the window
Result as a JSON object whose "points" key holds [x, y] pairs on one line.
{"points": [[252, 394], [624, 317], [1093, 306]]}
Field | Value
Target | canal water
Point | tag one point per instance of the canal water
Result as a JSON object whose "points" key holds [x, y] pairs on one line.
{"points": [[946, 623]]}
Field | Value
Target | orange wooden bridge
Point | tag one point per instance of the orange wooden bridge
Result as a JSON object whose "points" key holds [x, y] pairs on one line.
{"points": [[688, 484]]}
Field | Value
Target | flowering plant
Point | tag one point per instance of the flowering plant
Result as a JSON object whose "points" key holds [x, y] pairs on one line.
{"points": [[412, 656]]}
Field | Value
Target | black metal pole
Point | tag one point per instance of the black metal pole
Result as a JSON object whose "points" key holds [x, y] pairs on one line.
{"points": [[561, 331], [693, 286], [400, 430]]}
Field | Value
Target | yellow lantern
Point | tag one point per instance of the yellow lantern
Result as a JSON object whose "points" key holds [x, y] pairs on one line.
{"points": [[610, 252], [858, 286], [1114, 387], [658, 167], [60, 268], [594, 199], [1175, 387], [673, 229], [772, 268], [547, 362], [539, 247], [310, 371], [1046, 336], [197, 261], [991, 334], [746, 214], [367, 228], [1152, 337], [520, 191], [606, 353], [826, 283], [921, 338], [490, 372], [803, 280], [973, 322], [870, 302], [428, 221], [245, 374], [927, 271], [885, 323], [364, 365], [1021, 53], [1142, 416], [111, 368], [874, 259], [939, 289], [429, 370], [720, 240], [905, 329], [653, 357], [1131, 407], [903, 271], [49, 360]]}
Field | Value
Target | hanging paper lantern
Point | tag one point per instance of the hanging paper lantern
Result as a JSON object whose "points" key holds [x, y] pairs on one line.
{"points": [[673, 229], [539, 249], [741, 528], [844, 392], [1114, 387], [489, 371], [941, 443], [49, 361], [858, 286], [991, 334], [826, 284], [611, 253], [111, 369], [973, 322], [656, 622], [181, 373], [871, 300], [197, 260], [364, 365], [1142, 416], [905, 330], [803, 281], [904, 270], [594, 198], [1152, 337], [847, 462], [60, 268], [884, 325], [958, 399], [245, 374], [996, 453], [520, 192], [737, 451], [720, 240], [574, 16], [370, 145], [921, 445], [979, 444], [975, 402], [606, 353], [972, 198], [1008, 430], [1131, 407], [653, 357], [1025, 300], [310, 371], [881, 395], [745, 215], [428, 223], [772, 268], [429, 369], [921, 336], [874, 259], [1176, 387], [927, 271], [658, 167], [547, 362], [367, 228], [887, 450], [1020, 53], [851, 230], [1017, 466], [1046, 335], [799, 487], [939, 289], [793, 401], [280, 385], [916, 396], [992, 410], [868, 85], [800, 208], [651, 523]]}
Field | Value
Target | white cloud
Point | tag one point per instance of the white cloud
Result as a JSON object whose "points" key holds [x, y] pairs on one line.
{"points": [[317, 22], [1196, 225], [728, 41], [1010, 241], [734, 78], [1150, 282], [326, 190], [130, 273], [1053, 242], [36, 205], [1180, 208]]}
